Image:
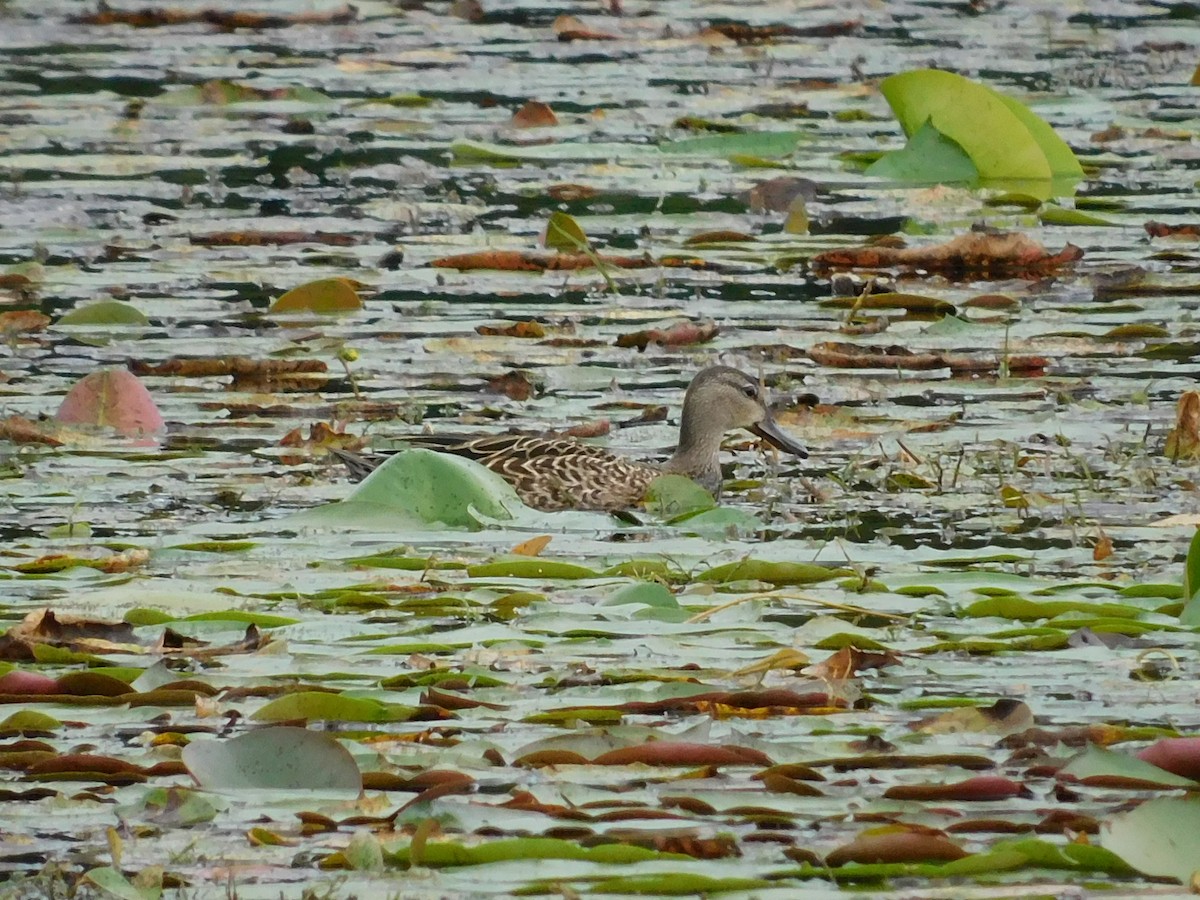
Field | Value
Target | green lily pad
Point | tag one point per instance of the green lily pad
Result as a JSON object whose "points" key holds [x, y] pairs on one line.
{"points": [[1002, 139], [420, 486], [277, 758], [105, 312], [776, 573], [672, 496], [929, 157], [762, 144], [1098, 763], [331, 708], [1191, 584], [1159, 837]]}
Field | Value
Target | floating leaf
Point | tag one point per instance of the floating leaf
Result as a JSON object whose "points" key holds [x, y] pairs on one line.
{"points": [[277, 758], [672, 496], [321, 706], [1106, 768], [112, 398], [527, 567], [437, 854], [114, 884], [325, 296], [1057, 215], [765, 144], [677, 884], [1178, 755], [105, 312], [1160, 837], [776, 573]]}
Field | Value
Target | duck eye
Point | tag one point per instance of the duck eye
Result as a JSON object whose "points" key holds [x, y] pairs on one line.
{"points": [[750, 391]]}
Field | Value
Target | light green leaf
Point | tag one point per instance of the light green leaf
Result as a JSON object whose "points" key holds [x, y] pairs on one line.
{"points": [[1159, 837], [325, 707], [1096, 762], [776, 573], [1003, 139], [672, 496], [114, 884], [646, 593], [1191, 584], [761, 144], [419, 486], [105, 312], [278, 758], [929, 157], [1058, 215]]}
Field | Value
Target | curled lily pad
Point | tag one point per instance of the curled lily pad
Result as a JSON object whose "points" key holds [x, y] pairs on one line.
{"points": [[1002, 139], [420, 486]]}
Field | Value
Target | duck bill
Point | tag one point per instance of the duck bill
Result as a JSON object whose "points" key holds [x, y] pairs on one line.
{"points": [[770, 432]]}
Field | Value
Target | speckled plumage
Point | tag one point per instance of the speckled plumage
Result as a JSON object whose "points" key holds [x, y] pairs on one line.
{"points": [[554, 473]]}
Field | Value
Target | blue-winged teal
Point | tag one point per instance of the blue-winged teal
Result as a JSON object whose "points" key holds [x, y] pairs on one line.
{"points": [[554, 473]]}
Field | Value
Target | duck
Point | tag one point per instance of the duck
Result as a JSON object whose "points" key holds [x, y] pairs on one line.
{"points": [[560, 473]]}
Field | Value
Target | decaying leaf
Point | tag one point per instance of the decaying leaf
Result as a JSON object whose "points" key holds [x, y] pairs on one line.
{"points": [[780, 659], [20, 430], [1183, 441], [45, 626], [897, 844], [532, 547], [677, 335], [569, 28], [1006, 716], [531, 261], [849, 661], [534, 114], [322, 437], [21, 321], [526, 329], [514, 384], [745, 33], [855, 356], [778, 194], [1182, 230], [271, 238], [970, 256], [154, 17], [567, 193], [259, 375]]}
